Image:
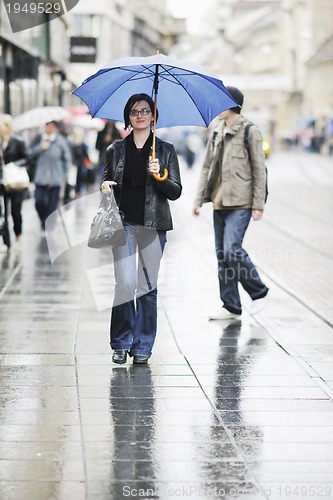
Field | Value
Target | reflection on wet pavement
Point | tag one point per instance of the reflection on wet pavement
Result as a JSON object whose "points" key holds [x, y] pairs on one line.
{"points": [[133, 414]]}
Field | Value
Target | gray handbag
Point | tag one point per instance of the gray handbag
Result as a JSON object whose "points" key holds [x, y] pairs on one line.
{"points": [[107, 228]]}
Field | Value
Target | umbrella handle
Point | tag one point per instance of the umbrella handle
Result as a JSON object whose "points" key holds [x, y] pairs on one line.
{"points": [[153, 155], [164, 176], [165, 173]]}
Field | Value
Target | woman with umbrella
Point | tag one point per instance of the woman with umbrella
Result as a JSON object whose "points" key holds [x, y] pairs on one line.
{"points": [[143, 198]]}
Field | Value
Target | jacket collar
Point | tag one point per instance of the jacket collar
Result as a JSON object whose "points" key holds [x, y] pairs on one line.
{"points": [[120, 146], [235, 128]]}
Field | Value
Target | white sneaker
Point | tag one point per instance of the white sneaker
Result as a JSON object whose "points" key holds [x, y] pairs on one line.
{"points": [[223, 313], [259, 305]]}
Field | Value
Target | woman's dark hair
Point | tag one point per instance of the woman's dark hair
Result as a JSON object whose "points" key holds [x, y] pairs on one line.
{"points": [[134, 99]]}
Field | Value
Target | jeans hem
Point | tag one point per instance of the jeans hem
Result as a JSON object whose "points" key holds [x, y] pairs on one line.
{"points": [[261, 295], [119, 346], [232, 310], [139, 353]]}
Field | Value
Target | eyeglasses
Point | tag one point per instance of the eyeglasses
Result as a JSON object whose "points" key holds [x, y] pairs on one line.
{"points": [[137, 112]]}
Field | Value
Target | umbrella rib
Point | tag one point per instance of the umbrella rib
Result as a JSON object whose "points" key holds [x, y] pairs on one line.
{"points": [[179, 83], [147, 72], [137, 73], [172, 78], [140, 76], [107, 71], [167, 75]]}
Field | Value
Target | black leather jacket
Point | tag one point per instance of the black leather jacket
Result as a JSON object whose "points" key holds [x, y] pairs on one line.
{"points": [[16, 151], [157, 210]]}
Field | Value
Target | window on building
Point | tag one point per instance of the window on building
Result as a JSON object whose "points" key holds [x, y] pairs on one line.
{"points": [[87, 25]]}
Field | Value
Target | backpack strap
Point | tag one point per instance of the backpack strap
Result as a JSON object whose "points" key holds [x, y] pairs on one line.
{"points": [[214, 138], [246, 138], [247, 146]]}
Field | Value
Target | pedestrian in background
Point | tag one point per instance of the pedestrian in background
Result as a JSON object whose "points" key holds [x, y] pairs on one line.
{"points": [[3, 212], [52, 157], [105, 137], [80, 156], [129, 171], [236, 184], [12, 149]]}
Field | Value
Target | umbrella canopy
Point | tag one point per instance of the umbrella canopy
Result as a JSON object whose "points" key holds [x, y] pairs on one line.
{"points": [[188, 94], [37, 117]]}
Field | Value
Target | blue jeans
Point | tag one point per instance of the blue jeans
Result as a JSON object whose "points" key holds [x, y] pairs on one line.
{"points": [[134, 312], [234, 264], [46, 201]]}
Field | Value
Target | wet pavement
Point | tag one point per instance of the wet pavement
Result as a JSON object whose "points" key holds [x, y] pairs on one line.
{"points": [[225, 409]]}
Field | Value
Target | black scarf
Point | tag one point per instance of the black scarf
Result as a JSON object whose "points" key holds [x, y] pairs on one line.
{"points": [[135, 173]]}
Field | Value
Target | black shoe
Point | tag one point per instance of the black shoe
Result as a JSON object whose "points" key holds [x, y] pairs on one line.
{"points": [[140, 359], [119, 356]]}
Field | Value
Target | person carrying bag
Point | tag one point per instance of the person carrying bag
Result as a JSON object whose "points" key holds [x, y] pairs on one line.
{"points": [[130, 172], [15, 179]]}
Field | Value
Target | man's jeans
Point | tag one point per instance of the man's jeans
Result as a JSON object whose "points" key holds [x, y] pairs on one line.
{"points": [[134, 311], [234, 264]]}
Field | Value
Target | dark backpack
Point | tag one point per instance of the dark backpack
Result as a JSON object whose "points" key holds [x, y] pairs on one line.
{"points": [[247, 145]]}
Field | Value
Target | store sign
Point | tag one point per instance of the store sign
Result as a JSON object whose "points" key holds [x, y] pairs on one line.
{"points": [[83, 49]]}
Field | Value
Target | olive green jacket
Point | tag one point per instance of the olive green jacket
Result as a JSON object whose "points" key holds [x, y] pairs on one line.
{"points": [[228, 178]]}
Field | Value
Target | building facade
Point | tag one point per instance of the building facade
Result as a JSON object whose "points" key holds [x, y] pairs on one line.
{"points": [[41, 65], [121, 28], [32, 65], [281, 52]]}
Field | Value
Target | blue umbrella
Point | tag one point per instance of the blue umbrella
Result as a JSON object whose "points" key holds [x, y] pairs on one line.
{"points": [[188, 93]]}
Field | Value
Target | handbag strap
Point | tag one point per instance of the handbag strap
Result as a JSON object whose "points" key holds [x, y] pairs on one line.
{"points": [[2, 206], [2, 161]]}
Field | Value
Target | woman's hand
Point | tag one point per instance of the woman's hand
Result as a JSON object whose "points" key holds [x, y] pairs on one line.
{"points": [[106, 186], [154, 166]]}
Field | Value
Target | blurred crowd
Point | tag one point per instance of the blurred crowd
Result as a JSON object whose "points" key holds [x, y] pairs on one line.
{"points": [[65, 160], [313, 136]]}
